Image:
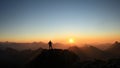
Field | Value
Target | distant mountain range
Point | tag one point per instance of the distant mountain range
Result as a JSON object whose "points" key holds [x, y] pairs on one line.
{"points": [[13, 54], [114, 49], [33, 46], [89, 52], [85, 52]]}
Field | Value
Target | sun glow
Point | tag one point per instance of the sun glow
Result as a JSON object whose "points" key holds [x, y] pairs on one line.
{"points": [[71, 40]]}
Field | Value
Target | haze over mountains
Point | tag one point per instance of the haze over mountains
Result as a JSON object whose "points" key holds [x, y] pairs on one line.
{"points": [[90, 51], [19, 54], [33, 46], [36, 45]]}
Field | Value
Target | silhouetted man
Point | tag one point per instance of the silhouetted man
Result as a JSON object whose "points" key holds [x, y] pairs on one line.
{"points": [[50, 44]]}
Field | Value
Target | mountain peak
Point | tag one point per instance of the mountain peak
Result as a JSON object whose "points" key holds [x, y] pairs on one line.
{"points": [[54, 58], [116, 43]]}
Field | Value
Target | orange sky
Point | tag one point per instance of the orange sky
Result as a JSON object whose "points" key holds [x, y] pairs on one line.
{"points": [[44, 20]]}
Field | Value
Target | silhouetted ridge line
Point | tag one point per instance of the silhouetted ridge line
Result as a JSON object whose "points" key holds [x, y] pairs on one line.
{"points": [[55, 58], [114, 50]]}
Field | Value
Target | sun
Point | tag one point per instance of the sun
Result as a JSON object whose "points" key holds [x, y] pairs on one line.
{"points": [[71, 40]]}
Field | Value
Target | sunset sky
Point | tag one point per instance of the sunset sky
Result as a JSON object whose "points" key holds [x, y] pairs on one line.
{"points": [[85, 21]]}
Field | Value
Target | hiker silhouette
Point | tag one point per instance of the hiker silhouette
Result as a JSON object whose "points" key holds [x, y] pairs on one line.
{"points": [[50, 44]]}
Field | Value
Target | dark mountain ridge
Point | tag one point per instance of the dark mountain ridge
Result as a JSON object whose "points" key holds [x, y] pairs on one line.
{"points": [[55, 58]]}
